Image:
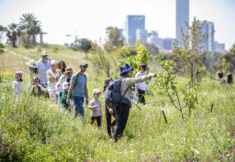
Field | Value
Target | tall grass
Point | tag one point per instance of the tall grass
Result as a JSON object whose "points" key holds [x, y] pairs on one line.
{"points": [[35, 129]]}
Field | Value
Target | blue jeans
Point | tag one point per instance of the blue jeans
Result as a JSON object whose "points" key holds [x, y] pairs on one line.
{"points": [[78, 105]]}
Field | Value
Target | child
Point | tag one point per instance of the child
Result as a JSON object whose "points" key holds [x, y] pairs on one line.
{"points": [[95, 106], [64, 95], [37, 90], [33, 70], [18, 84], [109, 113]]}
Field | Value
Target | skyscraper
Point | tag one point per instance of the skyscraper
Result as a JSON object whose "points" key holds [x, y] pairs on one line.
{"points": [[142, 34], [133, 22], [208, 31], [182, 17]]}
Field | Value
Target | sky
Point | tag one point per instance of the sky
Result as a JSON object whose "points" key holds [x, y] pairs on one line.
{"points": [[89, 18]]}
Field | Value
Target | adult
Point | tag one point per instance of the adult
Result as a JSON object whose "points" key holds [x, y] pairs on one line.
{"points": [[62, 66], [53, 75], [122, 110], [43, 66], [141, 88], [33, 70], [65, 77], [78, 88], [230, 78], [220, 76]]}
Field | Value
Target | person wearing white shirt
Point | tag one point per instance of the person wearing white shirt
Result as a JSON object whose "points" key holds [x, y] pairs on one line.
{"points": [[141, 88], [18, 84]]}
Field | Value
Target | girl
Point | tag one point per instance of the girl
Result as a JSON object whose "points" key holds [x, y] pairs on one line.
{"points": [[62, 66], [109, 113], [37, 89], [53, 75], [18, 84]]}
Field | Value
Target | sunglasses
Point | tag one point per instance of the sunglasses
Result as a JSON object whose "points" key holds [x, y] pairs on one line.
{"points": [[85, 66]]}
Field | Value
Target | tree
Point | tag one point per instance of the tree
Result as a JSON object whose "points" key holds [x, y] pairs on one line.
{"points": [[31, 25], [114, 39], [101, 60], [12, 33], [152, 49], [189, 49], [142, 57], [228, 60], [84, 44]]}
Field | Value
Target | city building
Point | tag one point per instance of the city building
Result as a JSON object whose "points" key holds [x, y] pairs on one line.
{"points": [[182, 17], [219, 47], [132, 23], [168, 44], [208, 31], [141, 35]]}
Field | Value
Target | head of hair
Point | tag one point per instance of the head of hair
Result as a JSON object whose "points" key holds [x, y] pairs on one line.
{"points": [[61, 62], [106, 82]]}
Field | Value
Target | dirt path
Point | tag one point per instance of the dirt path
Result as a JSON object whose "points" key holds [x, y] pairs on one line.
{"points": [[17, 54]]}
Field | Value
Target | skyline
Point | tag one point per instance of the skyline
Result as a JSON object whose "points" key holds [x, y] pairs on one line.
{"points": [[60, 18]]}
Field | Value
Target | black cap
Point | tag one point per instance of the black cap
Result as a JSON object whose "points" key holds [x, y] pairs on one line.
{"points": [[144, 66]]}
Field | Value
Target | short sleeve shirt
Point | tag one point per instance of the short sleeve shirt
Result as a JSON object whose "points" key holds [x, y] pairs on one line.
{"points": [[42, 70], [79, 89], [97, 111]]}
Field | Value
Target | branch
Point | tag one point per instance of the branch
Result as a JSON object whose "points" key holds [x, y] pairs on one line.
{"points": [[172, 101]]}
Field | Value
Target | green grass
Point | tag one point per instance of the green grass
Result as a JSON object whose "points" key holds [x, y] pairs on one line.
{"points": [[33, 129]]}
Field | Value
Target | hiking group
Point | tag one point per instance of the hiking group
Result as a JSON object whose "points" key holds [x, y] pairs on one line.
{"points": [[55, 80]]}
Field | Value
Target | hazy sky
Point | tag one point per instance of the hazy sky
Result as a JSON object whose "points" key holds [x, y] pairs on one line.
{"points": [[89, 18]]}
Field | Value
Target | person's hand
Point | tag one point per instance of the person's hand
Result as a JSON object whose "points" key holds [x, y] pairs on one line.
{"points": [[68, 101], [111, 111], [155, 75], [147, 92], [87, 101]]}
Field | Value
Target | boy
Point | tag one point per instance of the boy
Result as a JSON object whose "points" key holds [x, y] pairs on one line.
{"points": [[64, 95], [95, 106]]}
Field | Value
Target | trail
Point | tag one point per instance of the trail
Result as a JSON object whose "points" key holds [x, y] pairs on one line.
{"points": [[17, 54]]}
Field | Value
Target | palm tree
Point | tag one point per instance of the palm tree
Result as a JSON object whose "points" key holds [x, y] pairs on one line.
{"points": [[30, 24], [12, 33]]}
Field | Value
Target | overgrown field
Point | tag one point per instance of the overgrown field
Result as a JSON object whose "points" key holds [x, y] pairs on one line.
{"points": [[35, 129]]}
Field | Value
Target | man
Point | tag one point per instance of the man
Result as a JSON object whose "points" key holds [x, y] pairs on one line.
{"points": [[141, 88], [43, 66], [78, 88], [122, 110]]}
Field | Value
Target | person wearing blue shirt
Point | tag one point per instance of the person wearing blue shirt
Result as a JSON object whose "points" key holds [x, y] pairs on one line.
{"points": [[43, 66], [78, 89]]}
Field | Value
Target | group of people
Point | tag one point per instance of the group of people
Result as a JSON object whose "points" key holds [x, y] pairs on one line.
{"points": [[55, 80], [221, 78]]}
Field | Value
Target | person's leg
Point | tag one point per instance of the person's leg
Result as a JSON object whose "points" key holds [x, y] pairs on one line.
{"points": [[108, 121], [122, 113], [98, 119], [141, 96], [92, 119], [78, 104]]}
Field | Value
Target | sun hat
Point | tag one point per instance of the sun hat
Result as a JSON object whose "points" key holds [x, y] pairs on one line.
{"points": [[32, 64], [68, 70], [65, 85], [53, 62], [83, 64], [43, 53], [125, 68], [96, 91], [18, 74]]}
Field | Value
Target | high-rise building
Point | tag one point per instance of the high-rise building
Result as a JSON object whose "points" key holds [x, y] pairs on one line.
{"points": [[182, 17], [133, 22], [219, 47], [208, 31], [141, 35]]}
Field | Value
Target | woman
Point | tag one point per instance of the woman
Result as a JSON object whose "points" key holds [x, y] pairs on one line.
{"points": [[122, 110], [53, 75], [62, 66], [33, 70]]}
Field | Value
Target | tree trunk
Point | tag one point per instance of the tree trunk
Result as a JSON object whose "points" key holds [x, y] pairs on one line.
{"points": [[192, 74], [108, 72], [34, 40]]}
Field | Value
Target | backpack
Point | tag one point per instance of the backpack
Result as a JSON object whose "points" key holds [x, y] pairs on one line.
{"points": [[77, 78], [112, 95]]}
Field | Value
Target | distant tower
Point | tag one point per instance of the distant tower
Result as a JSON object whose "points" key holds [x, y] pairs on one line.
{"points": [[182, 16], [133, 22], [208, 30]]}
